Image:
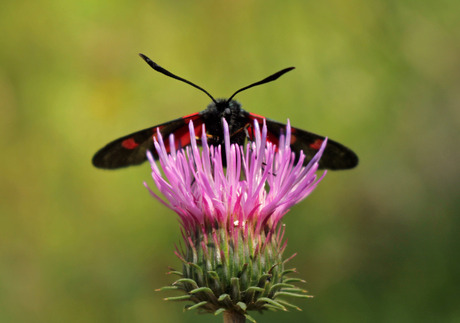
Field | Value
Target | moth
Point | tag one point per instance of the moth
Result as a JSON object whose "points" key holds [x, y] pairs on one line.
{"points": [[131, 149]]}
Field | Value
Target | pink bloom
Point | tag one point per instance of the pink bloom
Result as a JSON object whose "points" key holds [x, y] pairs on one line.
{"points": [[232, 258], [258, 187]]}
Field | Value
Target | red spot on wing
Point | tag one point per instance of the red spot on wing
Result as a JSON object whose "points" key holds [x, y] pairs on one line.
{"points": [[181, 138], [258, 117], [182, 135], [316, 144], [271, 137], [293, 136], [250, 131], [129, 143], [191, 116]]}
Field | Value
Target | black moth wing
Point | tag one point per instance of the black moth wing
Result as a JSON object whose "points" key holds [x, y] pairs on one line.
{"points": [[132, 149], [335, 157]]}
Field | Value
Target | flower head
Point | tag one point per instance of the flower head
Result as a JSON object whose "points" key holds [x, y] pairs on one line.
{"points": [[230, 217]]}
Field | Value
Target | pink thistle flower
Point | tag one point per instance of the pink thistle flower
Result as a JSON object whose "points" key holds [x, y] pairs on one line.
{"points": [[231, 218]]}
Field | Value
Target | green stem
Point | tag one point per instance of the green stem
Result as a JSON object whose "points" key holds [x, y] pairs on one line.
{"points": [[233, 317]]}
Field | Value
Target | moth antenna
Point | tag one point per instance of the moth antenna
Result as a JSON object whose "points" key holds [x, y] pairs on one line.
{"points": [[160, 69], [265, 80]]}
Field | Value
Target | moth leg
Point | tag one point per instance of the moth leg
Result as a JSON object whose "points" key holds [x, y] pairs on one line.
{"points": [[246, 132], [245, 129]]}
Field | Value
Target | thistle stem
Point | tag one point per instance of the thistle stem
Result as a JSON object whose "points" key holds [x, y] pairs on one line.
{"points": [[233, 317]]}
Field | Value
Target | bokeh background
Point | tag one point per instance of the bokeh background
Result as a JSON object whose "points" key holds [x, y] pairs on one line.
{"points": [[376, 244]]}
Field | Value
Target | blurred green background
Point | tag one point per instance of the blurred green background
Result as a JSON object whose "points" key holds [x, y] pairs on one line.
{"points": [[376, 244]]}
